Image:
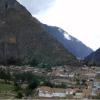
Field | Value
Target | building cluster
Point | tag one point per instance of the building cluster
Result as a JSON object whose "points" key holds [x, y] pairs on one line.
{"points": [[83, 82]]}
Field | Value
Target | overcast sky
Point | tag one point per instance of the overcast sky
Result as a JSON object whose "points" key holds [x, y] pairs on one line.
{"points": [[80, 18]]}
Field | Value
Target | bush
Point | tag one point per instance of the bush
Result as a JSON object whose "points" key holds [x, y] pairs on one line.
{"points": [[17, 87], [33, 85], [52, 85], [33, 62], [19, 95]]}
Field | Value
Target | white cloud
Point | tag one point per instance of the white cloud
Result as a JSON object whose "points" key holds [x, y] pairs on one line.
{"points": [[36, 6], [81, 18]]}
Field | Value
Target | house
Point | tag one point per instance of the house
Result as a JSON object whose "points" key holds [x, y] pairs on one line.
{"points": [[70, 91], [98, 91], [96, 85], [45, 91], [59, 92], [87, 92], [51, 92], [94, 92], [78, 95], [71, 75]]}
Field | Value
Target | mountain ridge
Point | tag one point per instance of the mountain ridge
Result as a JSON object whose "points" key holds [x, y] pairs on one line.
{"points": [[74, 45], [23, 38], [93, 58]]}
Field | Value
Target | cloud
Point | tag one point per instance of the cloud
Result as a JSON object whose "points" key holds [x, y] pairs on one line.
{"points": [[36, 6], [80, 18]]}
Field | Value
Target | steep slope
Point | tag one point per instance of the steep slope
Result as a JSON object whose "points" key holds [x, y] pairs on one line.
{"points": [[93, 58], [22, 38], [75, 46]]}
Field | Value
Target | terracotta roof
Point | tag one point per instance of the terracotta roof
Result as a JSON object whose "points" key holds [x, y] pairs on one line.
{"points": [[51, 90], [45, 89], [58, 90]]}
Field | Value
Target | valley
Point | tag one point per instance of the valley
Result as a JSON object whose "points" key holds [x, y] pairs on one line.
{"points": [[38, 61], [54, 82]]}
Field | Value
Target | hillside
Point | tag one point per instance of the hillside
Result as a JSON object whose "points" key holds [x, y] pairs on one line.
{"points": [[93, 58], [75, 46], [24, 40]]}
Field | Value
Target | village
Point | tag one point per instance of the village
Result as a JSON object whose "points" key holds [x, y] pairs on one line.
{"points": [[64, 81]]}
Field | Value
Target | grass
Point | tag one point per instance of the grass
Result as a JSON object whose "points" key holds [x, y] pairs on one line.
{"points": [[6, 87], [6, 91], [3, 96]]}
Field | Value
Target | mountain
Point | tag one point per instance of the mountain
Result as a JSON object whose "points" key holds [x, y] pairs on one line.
{"points": [[24, 40], [93, 58], [75, 46]]}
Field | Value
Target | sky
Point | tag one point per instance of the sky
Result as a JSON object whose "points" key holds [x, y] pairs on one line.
{"points": [[80, 18]]}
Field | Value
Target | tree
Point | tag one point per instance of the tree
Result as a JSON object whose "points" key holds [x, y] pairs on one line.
{"points": [[17, 86], [77, 81], [26, 76], [33, 62], [19, 95], [33, 85], [5, 75], [83, 82]]}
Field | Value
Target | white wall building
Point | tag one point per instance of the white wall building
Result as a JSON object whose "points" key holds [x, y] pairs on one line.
{"points": [[54, 92]]}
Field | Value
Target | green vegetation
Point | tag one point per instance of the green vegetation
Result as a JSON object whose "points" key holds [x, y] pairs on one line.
{"points": [[6, 90], [6, 87], [28, 77], [12, 84], [52, 85], [5, 74], [19, 95], [33, 62]]}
